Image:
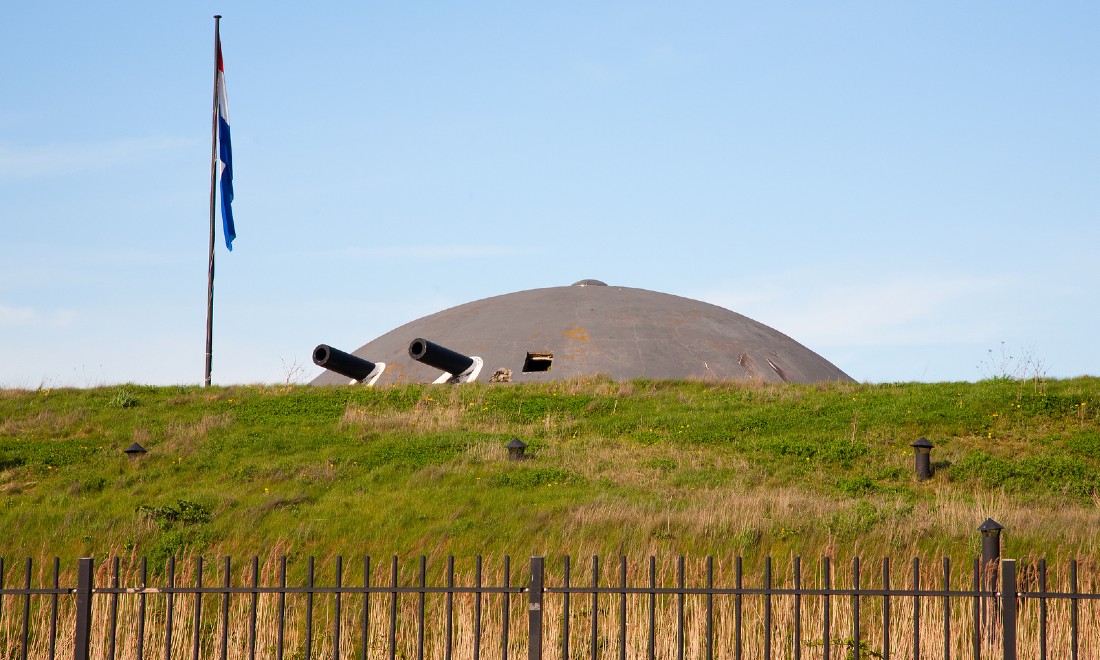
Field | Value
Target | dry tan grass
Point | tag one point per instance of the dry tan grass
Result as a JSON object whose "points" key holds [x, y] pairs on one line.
{"points": [[183, 438], [10, 393], [484, 451], [419, 419], [438, 411], [44, 420], [442, 409], [744, 506], [191, 431]]}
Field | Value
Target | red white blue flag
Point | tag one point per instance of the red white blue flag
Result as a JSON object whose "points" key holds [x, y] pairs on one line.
{"points": [[225, 153]]}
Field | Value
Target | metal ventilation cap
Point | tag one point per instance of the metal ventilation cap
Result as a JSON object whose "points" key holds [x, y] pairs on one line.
{"points": [[589, 283], [134, 449], [990, 525]]}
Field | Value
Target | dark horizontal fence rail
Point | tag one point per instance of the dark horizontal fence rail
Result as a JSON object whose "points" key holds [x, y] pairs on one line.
{"points": [[583, 611]]}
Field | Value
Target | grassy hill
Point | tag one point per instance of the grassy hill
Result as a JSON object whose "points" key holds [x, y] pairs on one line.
{"points": [[635, 468]]}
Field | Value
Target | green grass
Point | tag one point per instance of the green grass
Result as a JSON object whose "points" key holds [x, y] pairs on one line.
{"points": [[643, 467]]}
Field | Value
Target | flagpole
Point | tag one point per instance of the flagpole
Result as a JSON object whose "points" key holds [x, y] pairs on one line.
{"points": [[213, 183]]}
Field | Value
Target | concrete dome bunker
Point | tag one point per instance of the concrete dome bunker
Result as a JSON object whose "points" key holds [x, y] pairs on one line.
{"points": [[588, 328]]}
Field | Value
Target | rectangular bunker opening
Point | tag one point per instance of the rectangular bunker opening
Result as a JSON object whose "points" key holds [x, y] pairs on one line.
{"points": [[538, 361]]}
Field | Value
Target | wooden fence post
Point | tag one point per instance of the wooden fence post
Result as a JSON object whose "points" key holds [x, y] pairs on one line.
{"points": [[82, 639], [1008, 607], [534, 609]]}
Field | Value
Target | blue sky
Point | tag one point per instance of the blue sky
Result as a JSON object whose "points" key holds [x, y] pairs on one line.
{"points": [[902, 187]]}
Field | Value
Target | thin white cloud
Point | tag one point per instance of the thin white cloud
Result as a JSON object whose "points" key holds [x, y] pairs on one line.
{"points": [[13, 316], [21, 163], [891, 311], [431, 252], [27, 317]]}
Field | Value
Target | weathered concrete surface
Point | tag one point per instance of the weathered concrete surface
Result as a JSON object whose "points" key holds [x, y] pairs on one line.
{"points": [[622, 332]]}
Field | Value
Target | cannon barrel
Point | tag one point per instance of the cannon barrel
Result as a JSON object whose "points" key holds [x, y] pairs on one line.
{"points": [[440, 357], [342, 363]]}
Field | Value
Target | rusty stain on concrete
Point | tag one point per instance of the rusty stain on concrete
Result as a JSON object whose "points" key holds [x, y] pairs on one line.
{"points": [[576, 334]]}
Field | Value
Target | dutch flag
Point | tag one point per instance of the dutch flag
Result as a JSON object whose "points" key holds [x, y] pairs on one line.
{"points": [[225, 153]]}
